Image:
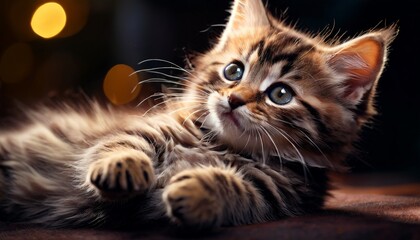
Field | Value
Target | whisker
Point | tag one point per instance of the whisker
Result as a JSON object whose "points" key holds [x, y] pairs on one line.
{"points": [[167, 75], [163, 80], [306, 136], [134, 88], [190, 116], [156, 68], [302, 160], [211, 26], [177, 67], [176, 89], [182, 108], [262, 148], [166, 101], [149, 97], [164, 61], [206, 112], [205, 119], [209, 136], [246, 144], [187, 98], [155, 106], [179, 96], [183, 89], [180, 100], [317, 147], [286, 136], [282, 121], [274, 144]]}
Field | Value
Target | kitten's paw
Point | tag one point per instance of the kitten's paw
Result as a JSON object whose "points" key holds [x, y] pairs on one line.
{"points": [[193, 198], [122, 174]]}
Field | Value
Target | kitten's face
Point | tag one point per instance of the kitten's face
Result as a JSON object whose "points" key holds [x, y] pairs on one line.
{"points": [[269, 89]]}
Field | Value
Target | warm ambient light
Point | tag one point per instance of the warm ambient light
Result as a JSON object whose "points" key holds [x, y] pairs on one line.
{"points": [[48, 20], [16, 63], [121, 85]]}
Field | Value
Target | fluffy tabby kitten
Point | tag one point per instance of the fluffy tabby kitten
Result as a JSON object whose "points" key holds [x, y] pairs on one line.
{"points": [[263, 116]]}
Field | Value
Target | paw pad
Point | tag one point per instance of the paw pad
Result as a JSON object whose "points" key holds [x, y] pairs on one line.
{"points": [[122, 174], [192, 199]]}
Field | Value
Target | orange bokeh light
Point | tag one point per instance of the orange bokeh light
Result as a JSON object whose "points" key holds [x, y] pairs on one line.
{"points": [[121, 85]]}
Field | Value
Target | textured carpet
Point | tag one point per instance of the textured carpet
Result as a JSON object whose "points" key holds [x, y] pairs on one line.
{"points": [[354, 211]]}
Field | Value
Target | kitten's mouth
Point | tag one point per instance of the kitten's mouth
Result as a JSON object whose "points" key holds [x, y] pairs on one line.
{"points": [[231, 116]]}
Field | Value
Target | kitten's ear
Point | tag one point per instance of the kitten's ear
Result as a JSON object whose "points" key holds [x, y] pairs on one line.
{"points": [[245, 15], [360, 63]]}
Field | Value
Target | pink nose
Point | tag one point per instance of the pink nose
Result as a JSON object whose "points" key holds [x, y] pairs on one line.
{"points": [[235, 101]]}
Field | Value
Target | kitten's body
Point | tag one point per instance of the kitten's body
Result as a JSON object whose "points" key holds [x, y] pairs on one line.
{"points": [[50, 186], [226, 152]]}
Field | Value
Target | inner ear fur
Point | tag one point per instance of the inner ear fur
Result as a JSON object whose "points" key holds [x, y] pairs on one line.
{"points": [[360, 62]]}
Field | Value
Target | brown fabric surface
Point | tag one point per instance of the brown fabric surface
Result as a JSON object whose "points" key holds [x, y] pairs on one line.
{"points": [[352, 212], [404, 209]]}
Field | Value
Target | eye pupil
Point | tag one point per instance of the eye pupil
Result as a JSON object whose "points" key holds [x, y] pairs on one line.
{"points": [[234, 71], [280, 94]]}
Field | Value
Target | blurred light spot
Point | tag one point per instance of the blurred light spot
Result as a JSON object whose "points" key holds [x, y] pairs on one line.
{"points": [[77, 12], [16, 63], [121, 85], [20, 13], [48, 20]]}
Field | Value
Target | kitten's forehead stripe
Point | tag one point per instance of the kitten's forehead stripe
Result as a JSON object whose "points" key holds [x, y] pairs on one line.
{"points": [[273, 75], [279, 47], [255, 47]]}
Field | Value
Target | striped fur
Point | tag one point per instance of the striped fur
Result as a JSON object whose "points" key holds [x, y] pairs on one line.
{"points": [[220, 153]]}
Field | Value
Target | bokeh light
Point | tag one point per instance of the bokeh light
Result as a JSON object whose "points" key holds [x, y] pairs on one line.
{"points": [[121, 85], [48, 20], [77, 12], [16, 63]]}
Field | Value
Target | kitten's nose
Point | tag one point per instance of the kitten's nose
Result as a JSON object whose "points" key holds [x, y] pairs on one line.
{"points": [[235, 101]]}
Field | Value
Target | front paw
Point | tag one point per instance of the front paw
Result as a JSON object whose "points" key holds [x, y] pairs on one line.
{"points": [[192, 198], [122, 174]]}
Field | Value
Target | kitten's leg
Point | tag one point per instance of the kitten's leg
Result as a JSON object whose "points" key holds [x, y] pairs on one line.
{"points": [[120, 167], [210, 197]]}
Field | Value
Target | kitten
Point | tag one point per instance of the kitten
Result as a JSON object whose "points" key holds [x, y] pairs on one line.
{"points": [[263, 116]]}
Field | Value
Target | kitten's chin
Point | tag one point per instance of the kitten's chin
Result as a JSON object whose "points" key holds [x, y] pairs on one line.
{"points": [[230, 130], [229, 119], [236, 139], [231, 126], [225, 124]]}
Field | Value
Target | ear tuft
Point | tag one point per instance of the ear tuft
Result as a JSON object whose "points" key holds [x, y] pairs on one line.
{"points": [[245, 15]]}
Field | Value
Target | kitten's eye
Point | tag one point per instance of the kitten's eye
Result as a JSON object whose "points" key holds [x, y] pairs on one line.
{"points": [[280, 93], [234, 71]]}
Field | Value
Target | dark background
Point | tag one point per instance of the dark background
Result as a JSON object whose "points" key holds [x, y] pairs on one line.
{"points": [[103, 33]]}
